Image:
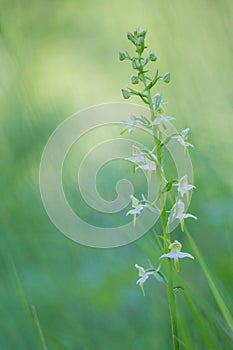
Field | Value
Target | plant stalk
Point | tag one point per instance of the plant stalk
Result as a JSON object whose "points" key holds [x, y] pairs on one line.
{"points": [[166, 234]]}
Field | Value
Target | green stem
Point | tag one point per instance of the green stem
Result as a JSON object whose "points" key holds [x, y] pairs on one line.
{"points": [[172, 307], [166, 234], [148, 93], [170, 290]]}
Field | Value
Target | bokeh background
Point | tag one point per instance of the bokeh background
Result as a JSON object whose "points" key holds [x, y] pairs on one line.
{"points": [[56, 58]]}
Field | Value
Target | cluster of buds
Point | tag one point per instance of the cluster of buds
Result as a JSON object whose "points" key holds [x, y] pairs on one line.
{"points": [[139, 63]]}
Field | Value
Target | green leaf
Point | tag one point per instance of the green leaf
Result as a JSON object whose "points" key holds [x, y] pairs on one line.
{"points": [[123, 131], [167, 187]]}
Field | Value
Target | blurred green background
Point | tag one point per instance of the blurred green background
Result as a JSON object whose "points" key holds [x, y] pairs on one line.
{"points": [[57, 57]]}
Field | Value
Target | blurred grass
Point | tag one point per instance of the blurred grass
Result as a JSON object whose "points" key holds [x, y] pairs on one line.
{"points": [[59, 57]]}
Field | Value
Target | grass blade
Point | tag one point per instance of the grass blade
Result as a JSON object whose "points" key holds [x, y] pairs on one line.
{"points": [[38, 326], [221, 304]]}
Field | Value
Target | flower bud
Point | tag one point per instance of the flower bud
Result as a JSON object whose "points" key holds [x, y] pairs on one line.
{"points": [[140, 45], [139, 41], [140, 33], [143, 33], [122, 55], [134, 79], [152, 56], [167, 77], [126, 94], [130, 36], [135, 64]]}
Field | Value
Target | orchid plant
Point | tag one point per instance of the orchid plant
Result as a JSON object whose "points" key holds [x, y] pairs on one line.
{"points": [[153, 161]]}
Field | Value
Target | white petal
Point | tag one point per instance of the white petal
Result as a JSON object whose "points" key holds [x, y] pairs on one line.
{"points": [[141, 270], [136, 159], [184, 255], [185, 132], [172, 215], [148, 166], [136, 210], [150, 273], [185, 216], [187, 144], [170, 255]]}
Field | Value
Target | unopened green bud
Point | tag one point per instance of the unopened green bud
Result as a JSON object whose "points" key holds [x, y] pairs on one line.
{"points": [[140, 45], [130, 36], [140, 33], [143, 33], [122, 55], [152, 56], [139, 41], [145, 61], [137, 31], [167, 77], [126, 94], [135, 64], [134, 79]]}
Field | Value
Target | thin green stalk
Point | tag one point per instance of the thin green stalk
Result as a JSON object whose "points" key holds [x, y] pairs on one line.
{"points": [[38, 326], [170, 290], [148, 97], [172, 307], [20, 290]]}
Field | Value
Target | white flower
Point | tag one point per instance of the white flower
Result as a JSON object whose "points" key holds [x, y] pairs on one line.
{"points": [[131, 124], [136, 210], [135, 201], [184, 187], [148, 166], [144, 160], [137, 156], [138, 206], [161, 119], [182, 139], [180, 211], [176, 254], [177, 212], [144, 275]]}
